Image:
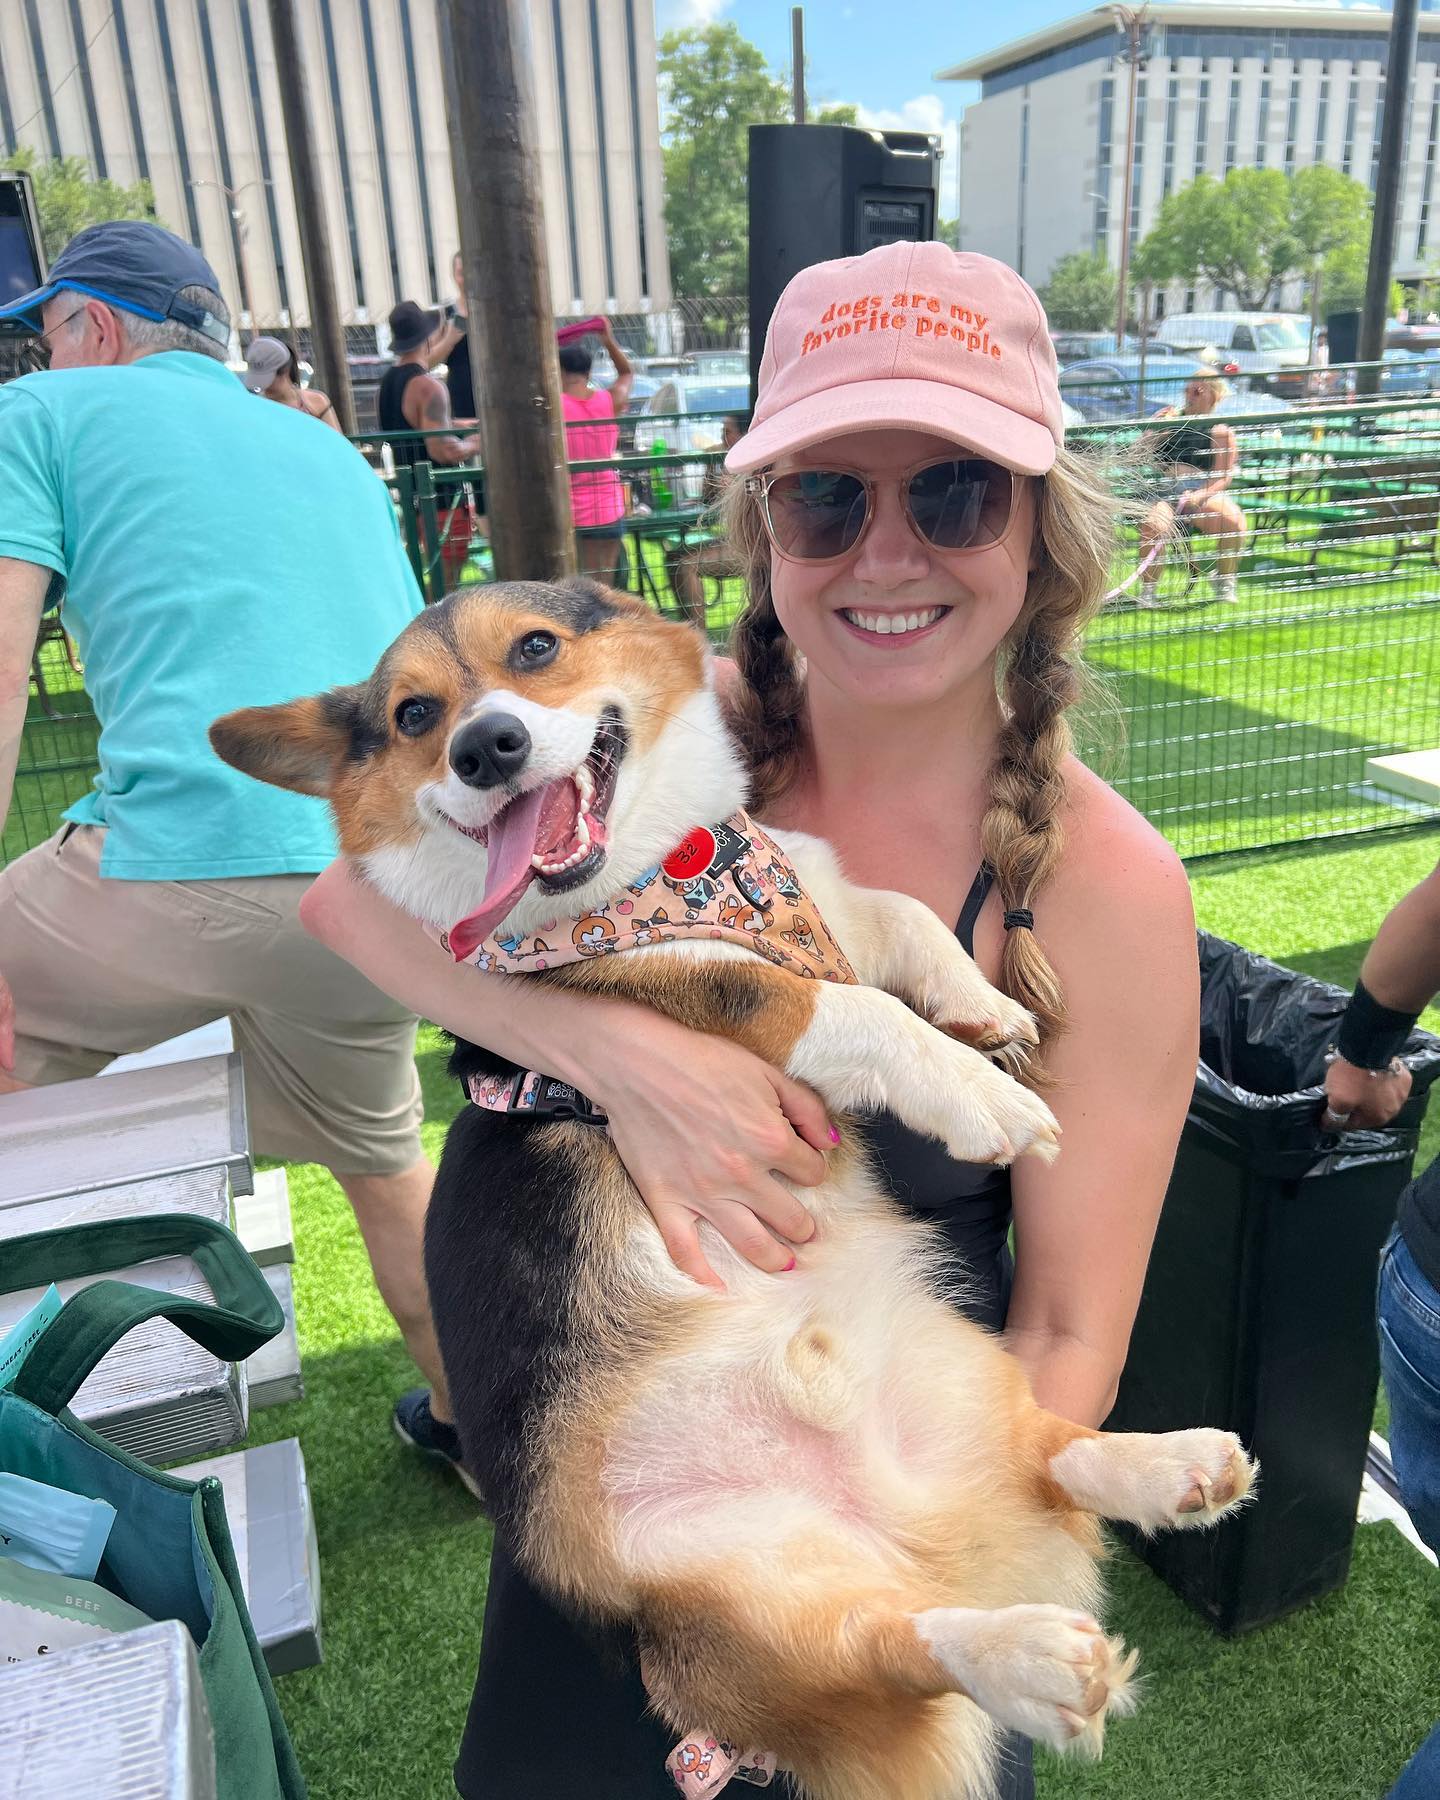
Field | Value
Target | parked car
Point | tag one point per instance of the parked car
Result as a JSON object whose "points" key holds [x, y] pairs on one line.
{"points": [[1084, 346], [1412, 334], [1410, 371], [704, 402], [1109, 387], [1272, 348]]}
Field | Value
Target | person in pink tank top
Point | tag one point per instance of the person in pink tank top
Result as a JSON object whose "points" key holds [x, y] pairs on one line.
{"points": [[596, 496]]}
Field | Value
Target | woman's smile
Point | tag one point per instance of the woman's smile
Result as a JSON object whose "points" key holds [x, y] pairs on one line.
{"points": [[890, 628]]}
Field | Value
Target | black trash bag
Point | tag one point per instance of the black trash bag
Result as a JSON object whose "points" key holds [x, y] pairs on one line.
{"points": [[1265, 1033], [1258, 1314]]}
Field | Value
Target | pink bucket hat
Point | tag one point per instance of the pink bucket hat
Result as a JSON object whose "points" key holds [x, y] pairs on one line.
{"points": [[913, 337]]}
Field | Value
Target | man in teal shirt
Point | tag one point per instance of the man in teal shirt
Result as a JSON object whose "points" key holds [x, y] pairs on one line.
{"points": [[213, 552]]}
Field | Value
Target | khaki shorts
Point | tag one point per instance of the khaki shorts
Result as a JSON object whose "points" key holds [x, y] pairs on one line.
{"points": [[98, 968]]}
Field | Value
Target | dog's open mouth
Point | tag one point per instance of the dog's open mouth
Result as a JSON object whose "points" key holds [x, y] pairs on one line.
{"points": [[555, 834]]}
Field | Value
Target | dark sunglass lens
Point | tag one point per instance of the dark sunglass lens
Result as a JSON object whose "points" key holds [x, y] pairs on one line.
{"points": [[816, 513], [962, 503]]}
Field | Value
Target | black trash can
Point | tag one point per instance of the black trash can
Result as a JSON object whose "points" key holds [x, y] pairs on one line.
{"points": [[1258, 1314]]}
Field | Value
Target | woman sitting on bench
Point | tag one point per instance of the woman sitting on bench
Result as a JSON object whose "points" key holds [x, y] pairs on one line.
{"points": [[1197, 459]]}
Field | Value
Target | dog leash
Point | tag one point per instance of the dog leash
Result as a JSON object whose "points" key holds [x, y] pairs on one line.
{"points": [[1132, 579]]}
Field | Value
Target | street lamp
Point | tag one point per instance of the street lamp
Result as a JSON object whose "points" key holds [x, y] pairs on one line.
{"points": [[1133, 21], [238, 230]]}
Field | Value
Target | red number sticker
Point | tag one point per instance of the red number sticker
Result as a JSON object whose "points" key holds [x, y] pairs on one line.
{"points": [[691, 857]]}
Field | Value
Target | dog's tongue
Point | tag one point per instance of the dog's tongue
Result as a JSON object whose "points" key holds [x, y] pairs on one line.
{"points": [[510, 844]]}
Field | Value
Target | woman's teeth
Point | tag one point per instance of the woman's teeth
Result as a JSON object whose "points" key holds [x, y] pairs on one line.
{"points": [[892, 624]]}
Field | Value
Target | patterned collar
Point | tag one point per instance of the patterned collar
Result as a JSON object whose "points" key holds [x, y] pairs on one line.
{"points": [[729, 882]]}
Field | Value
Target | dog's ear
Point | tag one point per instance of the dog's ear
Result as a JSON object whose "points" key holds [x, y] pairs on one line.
{"points": [[301, 744]]}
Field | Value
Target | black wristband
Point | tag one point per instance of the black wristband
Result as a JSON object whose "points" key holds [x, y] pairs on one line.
{"points": [[1371, 1034]]}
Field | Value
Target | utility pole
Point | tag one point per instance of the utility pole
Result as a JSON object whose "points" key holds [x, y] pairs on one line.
{"points": [[1133, 22], [490, 110], [327, 335], [1399, 71], [797, 62]]}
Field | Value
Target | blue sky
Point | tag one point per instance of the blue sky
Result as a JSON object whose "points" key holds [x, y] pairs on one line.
{"points": [[883, 61]]}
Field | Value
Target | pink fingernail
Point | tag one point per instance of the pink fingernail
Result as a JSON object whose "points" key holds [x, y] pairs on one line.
{"points": [[790, 1265], [834, 1135]]}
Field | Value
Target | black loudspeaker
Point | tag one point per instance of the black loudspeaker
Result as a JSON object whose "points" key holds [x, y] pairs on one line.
{"points": [[22, 257], [1342, 337], [822, 191]]}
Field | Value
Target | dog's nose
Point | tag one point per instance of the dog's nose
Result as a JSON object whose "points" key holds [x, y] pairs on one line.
{"points": [[490, 750]]}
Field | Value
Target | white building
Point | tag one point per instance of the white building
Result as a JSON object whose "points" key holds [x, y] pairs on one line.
{"points": [[1225, 85], [183, 93]]}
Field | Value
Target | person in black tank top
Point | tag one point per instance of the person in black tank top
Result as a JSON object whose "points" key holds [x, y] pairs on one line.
{"points": [[903, 667], [1195, 460], [412, 333]]}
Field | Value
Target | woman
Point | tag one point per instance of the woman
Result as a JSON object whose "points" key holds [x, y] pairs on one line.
{"points": [[272, 369], [597, 499], [904, 665], [1198, 461]]}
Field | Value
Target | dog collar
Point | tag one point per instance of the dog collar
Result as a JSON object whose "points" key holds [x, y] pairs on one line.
{"points": [[731, 883]]}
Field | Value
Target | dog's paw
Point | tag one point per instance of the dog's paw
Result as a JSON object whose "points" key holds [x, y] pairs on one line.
{"points": [[1158, 1481], [1042, 1670], [965, 1006], [990, 1118]]}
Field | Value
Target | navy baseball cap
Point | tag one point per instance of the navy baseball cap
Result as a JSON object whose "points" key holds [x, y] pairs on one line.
{"points": [[136, 266]]}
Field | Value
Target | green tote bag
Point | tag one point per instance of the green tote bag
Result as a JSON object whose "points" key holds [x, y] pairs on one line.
{"points": [[169, 1551]]}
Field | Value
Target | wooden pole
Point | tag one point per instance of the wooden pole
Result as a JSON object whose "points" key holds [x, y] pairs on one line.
{"points": [[490, 109], [1399, 69], [327, 335], [797, 60]]}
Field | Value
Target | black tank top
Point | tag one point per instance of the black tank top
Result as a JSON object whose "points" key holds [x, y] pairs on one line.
{"points": [[390, 409], [969, 1202]]}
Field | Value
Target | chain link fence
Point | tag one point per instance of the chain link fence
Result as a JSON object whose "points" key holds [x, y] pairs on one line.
{"points": [[1246, 723]]}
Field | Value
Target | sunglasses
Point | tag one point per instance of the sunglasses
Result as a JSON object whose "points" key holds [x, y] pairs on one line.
{"points": [[35, 351], [821, 515]]}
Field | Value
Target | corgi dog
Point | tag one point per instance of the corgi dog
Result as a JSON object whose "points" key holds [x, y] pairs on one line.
{"points": [[885, 1552]]}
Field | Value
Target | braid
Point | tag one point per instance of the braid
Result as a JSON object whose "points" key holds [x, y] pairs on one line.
{"points": [[1022, 834], [767, 706]]}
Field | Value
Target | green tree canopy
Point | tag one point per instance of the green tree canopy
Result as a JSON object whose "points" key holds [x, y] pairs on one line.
{"points": [[1251, 233], [1081, 293], [68, 199], [717, 84]]}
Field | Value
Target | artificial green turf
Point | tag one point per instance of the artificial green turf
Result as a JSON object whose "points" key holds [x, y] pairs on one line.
{"points": [[1322, 1706]]}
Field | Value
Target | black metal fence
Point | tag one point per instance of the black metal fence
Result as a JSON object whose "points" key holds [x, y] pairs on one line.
{"points": [[1267, 718]]}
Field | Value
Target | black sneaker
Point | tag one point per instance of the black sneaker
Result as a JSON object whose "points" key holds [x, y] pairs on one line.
{"points": [[417, 1426]]}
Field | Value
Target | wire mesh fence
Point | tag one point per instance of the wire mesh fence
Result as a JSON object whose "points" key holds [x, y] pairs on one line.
{"points": [[1248, 722]]}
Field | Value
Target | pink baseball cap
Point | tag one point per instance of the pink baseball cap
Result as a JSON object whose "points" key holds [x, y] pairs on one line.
{"points": [[914, 337]]}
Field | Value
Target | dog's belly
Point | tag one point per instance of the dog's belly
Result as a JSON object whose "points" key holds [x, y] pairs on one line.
{"points": [[851, 1400]]}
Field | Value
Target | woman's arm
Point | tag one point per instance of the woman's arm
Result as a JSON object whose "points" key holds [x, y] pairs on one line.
{"points": [[1120, 931], [702, 1125], [1224, 462]]}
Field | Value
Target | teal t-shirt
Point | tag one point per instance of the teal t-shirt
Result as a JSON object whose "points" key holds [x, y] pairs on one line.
{"points": [[217, 551]]}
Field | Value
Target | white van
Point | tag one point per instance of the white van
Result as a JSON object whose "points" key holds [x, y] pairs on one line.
{"points": [[1272, 348]]}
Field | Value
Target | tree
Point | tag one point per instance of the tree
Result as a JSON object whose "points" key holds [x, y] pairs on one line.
{"points": [[717, 84], [68, 200], [1256, 230], [1081, 293]]}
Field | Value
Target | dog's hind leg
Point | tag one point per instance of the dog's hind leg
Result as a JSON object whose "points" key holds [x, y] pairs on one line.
{"points": [[1154, 1480], [851, 1693]]}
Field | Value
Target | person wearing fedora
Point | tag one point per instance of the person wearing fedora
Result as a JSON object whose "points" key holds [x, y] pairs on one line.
{"points": [[412, 399], [921, 552], [273, 369], [142, 486]]}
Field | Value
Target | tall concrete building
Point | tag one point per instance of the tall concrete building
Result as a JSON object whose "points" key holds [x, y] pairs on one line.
{"points": [[183, 94], [1226, 85]]}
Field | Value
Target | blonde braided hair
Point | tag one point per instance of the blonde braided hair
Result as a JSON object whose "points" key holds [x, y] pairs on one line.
{"points": [[1040, 677]]}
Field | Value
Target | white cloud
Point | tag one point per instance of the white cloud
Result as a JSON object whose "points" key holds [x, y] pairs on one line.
{"points": [[926, 112], [688, 15]]}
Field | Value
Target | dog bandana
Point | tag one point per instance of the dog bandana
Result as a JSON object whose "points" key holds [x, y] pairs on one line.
{"points": [[702, 1764], [729, 882]]}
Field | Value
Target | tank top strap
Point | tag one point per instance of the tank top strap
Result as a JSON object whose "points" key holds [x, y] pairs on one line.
{"points": [[979, 892]]}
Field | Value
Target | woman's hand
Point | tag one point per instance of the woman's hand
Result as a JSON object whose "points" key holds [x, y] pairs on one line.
{"points": [[704, 1128]]}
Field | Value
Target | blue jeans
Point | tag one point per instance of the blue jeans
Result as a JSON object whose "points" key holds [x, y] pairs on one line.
{"points": [[1409, 1310]]}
